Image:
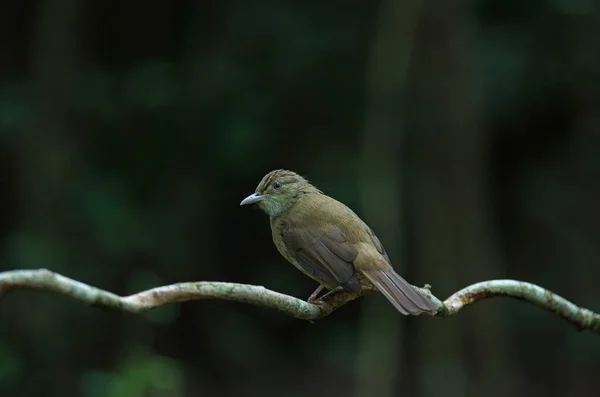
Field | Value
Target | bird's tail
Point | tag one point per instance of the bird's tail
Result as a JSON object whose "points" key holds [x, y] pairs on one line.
{"points": [[402, 295]]}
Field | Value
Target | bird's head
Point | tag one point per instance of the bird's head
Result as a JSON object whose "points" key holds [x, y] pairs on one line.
{"points": [[278, 191]]}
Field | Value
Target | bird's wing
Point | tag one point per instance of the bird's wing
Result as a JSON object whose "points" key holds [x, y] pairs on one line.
{"points": [[325, 253], [378, 245], [397, 290]]}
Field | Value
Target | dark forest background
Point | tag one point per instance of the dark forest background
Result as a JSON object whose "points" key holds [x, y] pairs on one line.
{"points": [[466, 133]]}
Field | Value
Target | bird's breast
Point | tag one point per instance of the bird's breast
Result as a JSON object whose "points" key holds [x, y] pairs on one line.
{"points": [[278, 227]]}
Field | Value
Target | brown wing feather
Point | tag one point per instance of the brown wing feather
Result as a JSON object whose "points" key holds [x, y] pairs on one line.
{"points": [[400, 293], [378, 245], [397, 290], [325, 253]]}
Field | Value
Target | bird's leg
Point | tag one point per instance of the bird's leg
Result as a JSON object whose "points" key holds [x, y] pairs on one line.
{"points": [[332, 292], [314, 297]]}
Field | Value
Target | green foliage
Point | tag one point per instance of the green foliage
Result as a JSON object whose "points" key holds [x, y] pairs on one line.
{"points": [[139, 374]]}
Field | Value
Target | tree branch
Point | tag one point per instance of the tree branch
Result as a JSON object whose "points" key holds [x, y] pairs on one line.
{"points": [[581, 318], [47, 281]]}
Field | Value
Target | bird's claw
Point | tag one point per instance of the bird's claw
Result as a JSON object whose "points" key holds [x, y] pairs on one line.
{"points": [[316, 301]]}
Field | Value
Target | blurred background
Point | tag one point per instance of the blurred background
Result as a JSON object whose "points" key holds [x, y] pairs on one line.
{"points": [[466, 133]]}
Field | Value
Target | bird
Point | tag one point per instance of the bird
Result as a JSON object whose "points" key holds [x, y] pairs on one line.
{"points": [[328, 242]]}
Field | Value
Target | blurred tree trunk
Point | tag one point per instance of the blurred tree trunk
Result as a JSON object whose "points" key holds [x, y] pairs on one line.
{"points": [[48, 152], [378, 365], [454, 238], [45, 162]]}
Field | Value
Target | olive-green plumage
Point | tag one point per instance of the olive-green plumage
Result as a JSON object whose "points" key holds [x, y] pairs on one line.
{"points": [[328, 242]]}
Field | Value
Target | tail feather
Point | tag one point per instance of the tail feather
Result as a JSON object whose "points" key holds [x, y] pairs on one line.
{"points": [[400, 293]]}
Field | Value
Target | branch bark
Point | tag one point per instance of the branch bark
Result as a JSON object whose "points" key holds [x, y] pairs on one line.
{"points": [[48, 281]]}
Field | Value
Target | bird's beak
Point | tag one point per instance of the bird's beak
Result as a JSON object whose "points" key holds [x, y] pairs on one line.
{"points": [[253, 198]]}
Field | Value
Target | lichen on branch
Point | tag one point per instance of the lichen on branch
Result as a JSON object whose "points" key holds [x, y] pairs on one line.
{"points": [[48, 281]]}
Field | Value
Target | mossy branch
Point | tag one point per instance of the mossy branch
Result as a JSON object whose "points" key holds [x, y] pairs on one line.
{"points": [[47, 281]]}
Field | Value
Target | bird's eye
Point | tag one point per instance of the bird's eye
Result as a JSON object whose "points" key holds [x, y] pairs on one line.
{"points": [[277, 185]]}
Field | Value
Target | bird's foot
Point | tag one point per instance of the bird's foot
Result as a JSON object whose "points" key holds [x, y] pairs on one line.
{"points": [[333, 292], [314, 297], [317, 301]]}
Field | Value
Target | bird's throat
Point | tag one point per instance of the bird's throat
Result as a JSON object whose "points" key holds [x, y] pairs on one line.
{"points": [[276, 206]]}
